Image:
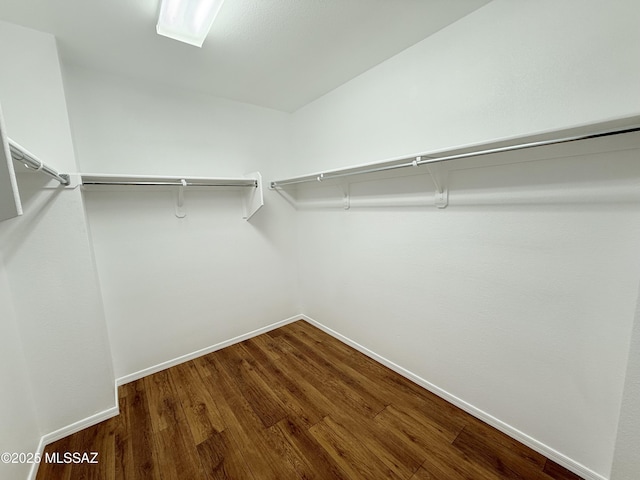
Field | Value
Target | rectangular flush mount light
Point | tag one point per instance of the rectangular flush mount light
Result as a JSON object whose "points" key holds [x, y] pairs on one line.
{"points": [[188, 21]]}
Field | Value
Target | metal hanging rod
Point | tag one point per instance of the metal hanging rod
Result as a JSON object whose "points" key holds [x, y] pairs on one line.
{"points": [[25, 157], [425, 159], [164, 181]]}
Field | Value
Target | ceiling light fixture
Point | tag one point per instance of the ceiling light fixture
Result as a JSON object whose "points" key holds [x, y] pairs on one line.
{"points": [[187, 21]]}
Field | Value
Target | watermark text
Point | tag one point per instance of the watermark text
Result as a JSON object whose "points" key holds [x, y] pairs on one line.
{"points": [[49, 457]]}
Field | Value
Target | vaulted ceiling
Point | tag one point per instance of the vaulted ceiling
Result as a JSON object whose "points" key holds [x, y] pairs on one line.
{"points": [[279, 54]]}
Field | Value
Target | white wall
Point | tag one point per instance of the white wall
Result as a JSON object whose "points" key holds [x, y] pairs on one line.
{"points": [[626, 463], [48, 270], [173, 286], [519, 297], [56, 298], [511, 68], [9, 198], [19, 431], [32, 98]]}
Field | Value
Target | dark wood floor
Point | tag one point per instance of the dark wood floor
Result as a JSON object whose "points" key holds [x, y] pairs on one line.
{"points": [[292, 404]]}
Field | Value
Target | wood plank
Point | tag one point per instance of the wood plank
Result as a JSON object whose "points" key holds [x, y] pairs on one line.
{"points": [[94, 440], [164, 407], [348, 452], [171, 436], [177, 453], [498, 452], [270, 346], [440, 459], [296, 399], [476, 443], [125, 463], [387, 447], [200, 411], [243, 426], [221, 461], [61, 471], [327, 398], [308, 448], [202, 365], [337, 370], [106, 449], [491, 436], [422, 474], [384, 444], [277, 458], [338, 388], [143, 448], [289, 453], [255, 390]]}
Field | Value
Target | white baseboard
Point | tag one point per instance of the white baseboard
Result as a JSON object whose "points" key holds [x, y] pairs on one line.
{"points": [[203, 351], [33, 471], [522, 437], [80, 425], [71, 429]]}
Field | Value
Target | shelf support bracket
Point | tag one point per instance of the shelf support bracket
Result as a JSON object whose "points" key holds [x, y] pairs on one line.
{"points": [[440, 178], [254, 198]]}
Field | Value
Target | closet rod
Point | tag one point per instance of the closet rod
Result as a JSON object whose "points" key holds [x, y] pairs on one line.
{"points": [[171, 181], [425, 159], [20, 154]]}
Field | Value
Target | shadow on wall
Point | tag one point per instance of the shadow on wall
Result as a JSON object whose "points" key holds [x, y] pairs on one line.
{"points": [[36, 201]]}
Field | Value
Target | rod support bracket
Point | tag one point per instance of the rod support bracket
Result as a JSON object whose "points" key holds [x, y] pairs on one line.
{"points": [[180, 212], [440, 178], [442, 198], [346, 196]]}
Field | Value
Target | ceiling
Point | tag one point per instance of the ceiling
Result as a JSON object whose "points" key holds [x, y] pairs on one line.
{"points": [[280, 54]]}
